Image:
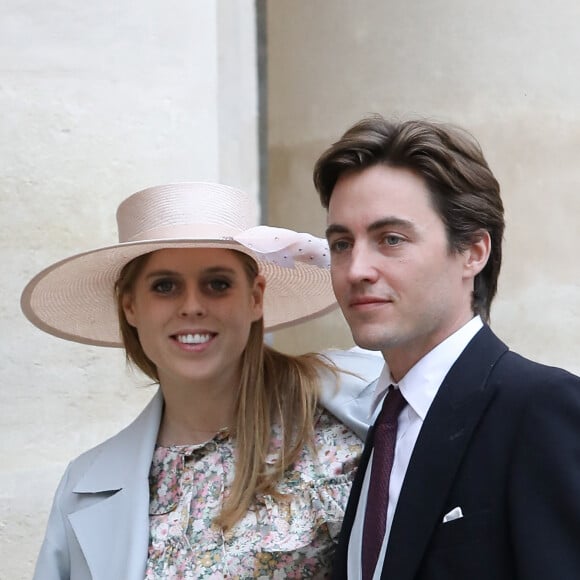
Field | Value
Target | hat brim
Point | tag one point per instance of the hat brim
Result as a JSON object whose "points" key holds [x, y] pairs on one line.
{"points": [[74, 299]]}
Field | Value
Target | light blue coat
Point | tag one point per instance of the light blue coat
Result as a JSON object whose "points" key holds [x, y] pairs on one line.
{"points": [[98, 528]]}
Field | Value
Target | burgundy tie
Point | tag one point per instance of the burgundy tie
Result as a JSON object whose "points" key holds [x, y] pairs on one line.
{"points": [[383, 441]]}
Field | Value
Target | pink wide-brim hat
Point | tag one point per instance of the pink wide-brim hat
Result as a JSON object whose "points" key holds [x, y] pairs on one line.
{"points": [[75, 298]]}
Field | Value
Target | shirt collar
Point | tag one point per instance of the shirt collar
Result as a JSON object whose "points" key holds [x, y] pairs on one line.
{"points": [[421, 383]]}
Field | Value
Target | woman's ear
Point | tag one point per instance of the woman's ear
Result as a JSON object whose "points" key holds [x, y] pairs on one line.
{"points": [[258, 290], [129, 309], [477, 254]]}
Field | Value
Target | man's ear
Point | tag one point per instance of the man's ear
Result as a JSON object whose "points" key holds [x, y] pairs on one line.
{"points": [[477, 254]]}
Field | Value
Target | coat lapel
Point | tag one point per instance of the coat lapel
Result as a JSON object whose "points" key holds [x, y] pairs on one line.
{"points": [[443, 440], [112, 522]]}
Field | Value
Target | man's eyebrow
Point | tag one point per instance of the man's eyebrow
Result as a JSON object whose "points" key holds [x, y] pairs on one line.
{"points": [[336, 229], [389, 221]]}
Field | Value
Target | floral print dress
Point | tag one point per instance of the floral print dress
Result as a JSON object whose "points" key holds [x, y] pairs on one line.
{"points": [[292, 537]]}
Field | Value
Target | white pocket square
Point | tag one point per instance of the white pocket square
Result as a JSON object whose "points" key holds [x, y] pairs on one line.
{"points": [[454, 514]]}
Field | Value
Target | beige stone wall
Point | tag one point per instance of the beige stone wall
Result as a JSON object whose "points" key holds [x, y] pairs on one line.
{"points": [[507, 71], [98, 100]]}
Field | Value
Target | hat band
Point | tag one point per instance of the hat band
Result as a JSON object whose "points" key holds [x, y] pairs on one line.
{"points": [[182, 231]]}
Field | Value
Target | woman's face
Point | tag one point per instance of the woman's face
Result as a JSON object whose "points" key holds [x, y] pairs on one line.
{"points": [[193, 309]]}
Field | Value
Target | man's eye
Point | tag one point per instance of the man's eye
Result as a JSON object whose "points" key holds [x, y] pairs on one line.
{"points": [[339, 246], [163, 286], [392, 240]]}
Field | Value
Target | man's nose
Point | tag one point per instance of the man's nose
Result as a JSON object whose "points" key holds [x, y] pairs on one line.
{"points": [[362, 267]]}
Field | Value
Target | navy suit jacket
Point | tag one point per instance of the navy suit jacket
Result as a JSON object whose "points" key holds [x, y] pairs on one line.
{"points": [[502, 441]]}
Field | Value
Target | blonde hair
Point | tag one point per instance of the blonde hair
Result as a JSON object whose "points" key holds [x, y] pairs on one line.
{"points": [[275, 388]]}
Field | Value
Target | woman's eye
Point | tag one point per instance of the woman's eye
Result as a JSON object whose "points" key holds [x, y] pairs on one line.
{"points": [[163, 286], [219, 285]]}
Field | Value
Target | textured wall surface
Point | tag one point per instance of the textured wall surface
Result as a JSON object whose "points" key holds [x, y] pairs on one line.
{"points": [[98, 100], [506, 71], [101, 100]]}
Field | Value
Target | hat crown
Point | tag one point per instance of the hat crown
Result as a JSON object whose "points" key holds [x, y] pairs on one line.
{"points": [[193, 210]]}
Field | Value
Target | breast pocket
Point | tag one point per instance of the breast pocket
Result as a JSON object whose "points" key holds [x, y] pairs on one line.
{"points": [[474, 527], [473, 547]]}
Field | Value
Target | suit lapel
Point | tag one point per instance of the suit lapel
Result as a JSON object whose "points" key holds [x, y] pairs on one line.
{"points": [[341, 556], [443, 440], [112, 524]]}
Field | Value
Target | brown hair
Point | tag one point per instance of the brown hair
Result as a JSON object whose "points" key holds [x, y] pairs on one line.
{"points": [[464, 191], [274, 388]]}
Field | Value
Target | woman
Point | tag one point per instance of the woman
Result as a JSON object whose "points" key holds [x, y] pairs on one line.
{"points": [[233, 470]]}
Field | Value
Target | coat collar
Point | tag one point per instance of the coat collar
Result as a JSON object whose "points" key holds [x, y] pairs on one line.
{"points": [[116, 487], [443, 440], [351, 400], [126, 455]]}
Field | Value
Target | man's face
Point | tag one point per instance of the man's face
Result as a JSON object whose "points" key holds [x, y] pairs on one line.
{"points": [[401, 289]]}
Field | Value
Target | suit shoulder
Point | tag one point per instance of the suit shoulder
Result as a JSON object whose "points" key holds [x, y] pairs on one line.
{"points": [[533, 384], [516, 365]]}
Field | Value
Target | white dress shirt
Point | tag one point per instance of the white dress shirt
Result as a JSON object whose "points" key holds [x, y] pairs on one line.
{"points": [[419, 387]]}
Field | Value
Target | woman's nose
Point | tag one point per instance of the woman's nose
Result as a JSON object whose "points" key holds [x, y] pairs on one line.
{"points": [[192, 303]]}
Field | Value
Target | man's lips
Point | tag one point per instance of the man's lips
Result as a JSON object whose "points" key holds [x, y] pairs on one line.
{"points": [[368, 301]]}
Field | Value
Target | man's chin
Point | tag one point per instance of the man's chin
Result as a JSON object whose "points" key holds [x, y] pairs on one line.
{"points": [[368, 342]]}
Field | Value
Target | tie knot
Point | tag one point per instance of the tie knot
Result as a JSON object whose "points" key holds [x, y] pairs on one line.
{"points": [[392, 406]]}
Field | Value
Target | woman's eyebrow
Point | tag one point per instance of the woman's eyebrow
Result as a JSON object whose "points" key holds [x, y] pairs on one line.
{"points": [[211, 270]]}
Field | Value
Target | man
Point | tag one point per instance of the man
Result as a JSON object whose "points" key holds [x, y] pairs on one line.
{"points": [[485, 479]]}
